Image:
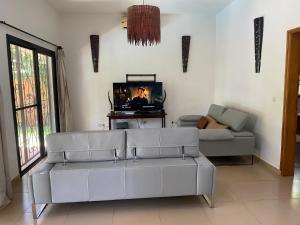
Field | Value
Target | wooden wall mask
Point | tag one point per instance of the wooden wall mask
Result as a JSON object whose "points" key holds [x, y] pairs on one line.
{"points": [[258, 38], [95, 51], [185, 52]]}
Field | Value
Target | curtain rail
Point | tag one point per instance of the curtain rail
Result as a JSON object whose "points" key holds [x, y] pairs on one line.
{"points": [[32, 35]]}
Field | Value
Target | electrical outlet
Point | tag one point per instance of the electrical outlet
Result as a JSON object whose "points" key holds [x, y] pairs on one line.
{"points": [[101, 126], [172, 123]]}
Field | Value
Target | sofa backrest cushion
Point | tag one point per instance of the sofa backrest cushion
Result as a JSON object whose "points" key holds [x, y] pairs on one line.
{"points": [[235, 119], [162, 143], [216, 111], [85, 146]]}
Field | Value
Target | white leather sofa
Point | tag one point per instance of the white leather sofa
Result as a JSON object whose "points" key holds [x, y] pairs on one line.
{"points": [[111, 165]]}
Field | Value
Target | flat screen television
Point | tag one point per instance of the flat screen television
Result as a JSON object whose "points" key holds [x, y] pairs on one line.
{"points": [[138, 96]]}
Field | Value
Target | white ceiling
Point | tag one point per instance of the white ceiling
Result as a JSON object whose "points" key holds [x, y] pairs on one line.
{"points": [[120, 6]]}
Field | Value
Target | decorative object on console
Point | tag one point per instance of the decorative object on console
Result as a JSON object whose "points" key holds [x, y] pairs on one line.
{"points": [[164, 98], [185, 51], [143, 25], [95, 51], [110, 102], [258, 38]]}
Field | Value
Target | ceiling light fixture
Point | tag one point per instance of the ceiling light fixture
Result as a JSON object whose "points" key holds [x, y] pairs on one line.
{"points": [[143, 25]]}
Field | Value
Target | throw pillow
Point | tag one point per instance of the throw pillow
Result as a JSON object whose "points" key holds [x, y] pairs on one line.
{"points": [[202, 122], [210, 119], [213, 124]]}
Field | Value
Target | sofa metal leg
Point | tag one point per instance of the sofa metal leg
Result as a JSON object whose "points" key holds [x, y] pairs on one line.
{"points": [[36, 213], [209, 198], [252, 160]]}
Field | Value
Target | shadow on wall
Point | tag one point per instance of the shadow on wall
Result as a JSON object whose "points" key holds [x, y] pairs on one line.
{"points": [[167, 19]]}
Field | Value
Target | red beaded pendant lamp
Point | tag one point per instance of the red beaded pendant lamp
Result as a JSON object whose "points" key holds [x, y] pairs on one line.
{"points": [[143, 25]]}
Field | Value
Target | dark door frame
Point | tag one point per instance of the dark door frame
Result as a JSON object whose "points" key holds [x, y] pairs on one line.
{"points": [[289, 126], [36, 50]]}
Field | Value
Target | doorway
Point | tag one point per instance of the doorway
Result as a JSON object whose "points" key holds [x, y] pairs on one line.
{"points": [[297, 154], [290, 114], [34, 99]]}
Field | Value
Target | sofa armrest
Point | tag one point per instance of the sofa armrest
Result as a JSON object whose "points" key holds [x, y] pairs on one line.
{"points": [[39, 184], [206, 173], [188, 120]]}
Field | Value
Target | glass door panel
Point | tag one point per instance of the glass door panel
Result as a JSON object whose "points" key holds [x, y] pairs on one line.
{"points": [[47, 95], [23, 76], [25, 101], [32, 74], [28, 136]]}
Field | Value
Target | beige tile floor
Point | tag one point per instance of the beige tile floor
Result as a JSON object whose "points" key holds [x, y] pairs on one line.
{"points": [[245, 195]]}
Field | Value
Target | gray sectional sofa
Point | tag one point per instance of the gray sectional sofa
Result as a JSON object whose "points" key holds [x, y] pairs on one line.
{"points": [[127, 164], [234, 141]]}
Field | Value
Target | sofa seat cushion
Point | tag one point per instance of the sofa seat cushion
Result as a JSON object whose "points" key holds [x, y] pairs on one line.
{"points": [[93, 181], [162, 143], [235, 119], [239, 146], [242, 134], [215, 135], [148, 178], [85, 146]]}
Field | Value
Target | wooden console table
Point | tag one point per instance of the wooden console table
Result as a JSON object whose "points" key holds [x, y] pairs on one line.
{"points": [[150, 115]]}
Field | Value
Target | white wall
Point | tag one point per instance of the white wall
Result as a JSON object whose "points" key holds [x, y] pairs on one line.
{"points": [[187, 93], [237, 84], [34, 16]]}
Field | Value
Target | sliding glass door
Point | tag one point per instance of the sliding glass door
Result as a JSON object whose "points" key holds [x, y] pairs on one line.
{"points": [[47, 93], [33, 87]]}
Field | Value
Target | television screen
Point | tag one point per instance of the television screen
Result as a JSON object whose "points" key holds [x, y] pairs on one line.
{"points": [[138, 96]]}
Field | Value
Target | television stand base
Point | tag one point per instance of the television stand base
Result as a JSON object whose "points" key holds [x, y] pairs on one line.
{"points": [[148, 115]]}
